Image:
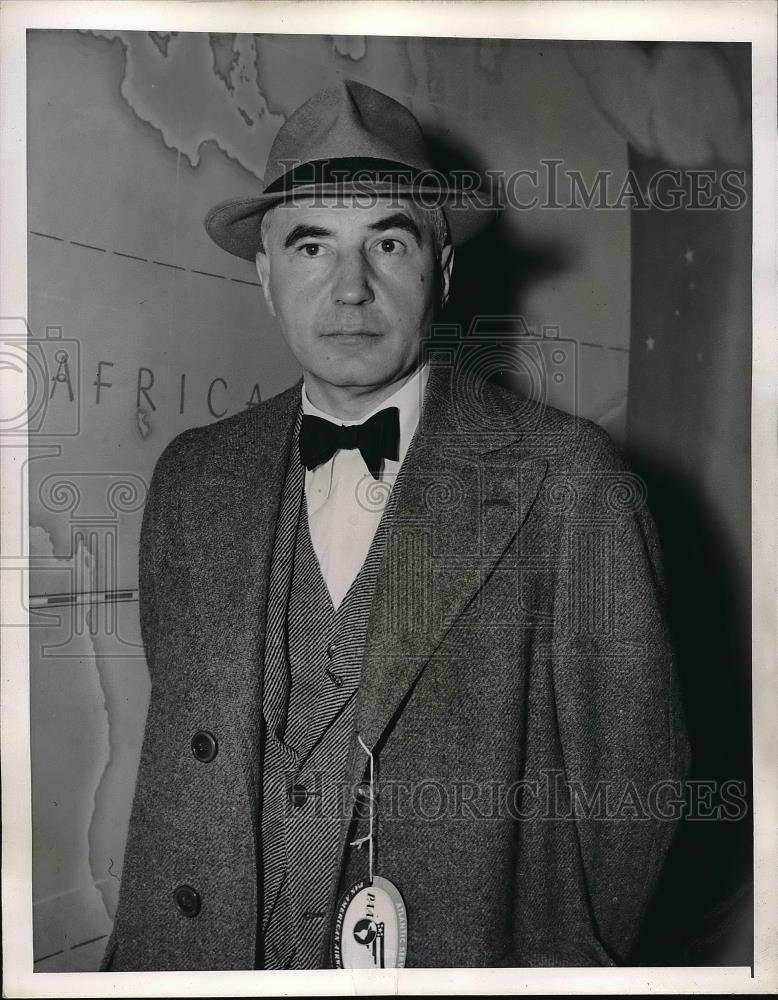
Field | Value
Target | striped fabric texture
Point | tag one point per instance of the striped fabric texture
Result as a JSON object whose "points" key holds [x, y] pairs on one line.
{"points": [[313, 659]]}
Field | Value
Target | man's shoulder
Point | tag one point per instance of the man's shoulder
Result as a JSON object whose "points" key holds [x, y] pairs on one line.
{"points": [[191, 449], [586, 476], [567, 441]]}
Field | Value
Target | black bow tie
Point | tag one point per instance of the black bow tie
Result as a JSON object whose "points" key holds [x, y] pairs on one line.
{"points": [[377, 438]]}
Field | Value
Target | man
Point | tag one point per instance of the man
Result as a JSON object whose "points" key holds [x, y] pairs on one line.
{"points": [[400, 623]]}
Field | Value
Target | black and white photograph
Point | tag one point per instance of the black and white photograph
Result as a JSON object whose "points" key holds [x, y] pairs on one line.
{"points": [[387, 584]]}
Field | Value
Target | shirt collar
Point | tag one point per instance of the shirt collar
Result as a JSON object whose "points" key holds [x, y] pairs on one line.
{"points": [[407, 398]]}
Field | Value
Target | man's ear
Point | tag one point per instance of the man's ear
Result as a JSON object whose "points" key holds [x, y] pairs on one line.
{"points": [[263, 272], [446, 268]]}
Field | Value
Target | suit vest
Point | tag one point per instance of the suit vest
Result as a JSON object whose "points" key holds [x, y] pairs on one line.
{"points": [[313, 658]]}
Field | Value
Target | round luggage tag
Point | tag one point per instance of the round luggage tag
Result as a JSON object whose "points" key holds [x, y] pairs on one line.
{"points": [[371, 927]]}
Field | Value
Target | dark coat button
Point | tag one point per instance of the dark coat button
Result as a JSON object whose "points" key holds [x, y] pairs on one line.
{"points": [[298, 795], [204, 746], [188, 900]]}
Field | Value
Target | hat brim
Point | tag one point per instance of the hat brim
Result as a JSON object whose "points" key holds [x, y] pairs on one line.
{"points": [[234, 225]]}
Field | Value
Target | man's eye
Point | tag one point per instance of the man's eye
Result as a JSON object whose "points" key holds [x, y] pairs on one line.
{"points": [[310, 249], [390, 246]]}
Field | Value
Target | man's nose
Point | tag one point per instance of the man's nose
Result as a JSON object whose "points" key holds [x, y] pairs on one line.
{"points": [[352, 284]]}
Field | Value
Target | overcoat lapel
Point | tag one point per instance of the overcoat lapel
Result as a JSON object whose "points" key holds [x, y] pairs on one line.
{"points": [[467, 485], [230, 513]]}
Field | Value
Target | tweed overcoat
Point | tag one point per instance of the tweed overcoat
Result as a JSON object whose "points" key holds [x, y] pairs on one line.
{"points": [[518, 691]]}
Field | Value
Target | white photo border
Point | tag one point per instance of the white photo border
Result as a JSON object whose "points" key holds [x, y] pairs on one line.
{"points": [[751, 21]]}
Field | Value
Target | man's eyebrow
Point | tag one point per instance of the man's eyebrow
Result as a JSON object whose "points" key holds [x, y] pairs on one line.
{"points": [[303, 232], [398, 221]]}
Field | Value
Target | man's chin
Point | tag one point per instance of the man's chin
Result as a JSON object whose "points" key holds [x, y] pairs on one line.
{"points": [[353, 372]]}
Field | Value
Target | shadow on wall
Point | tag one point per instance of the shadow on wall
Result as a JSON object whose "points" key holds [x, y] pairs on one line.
{"points": [[689, 438], [702, 913], [493, 273]]}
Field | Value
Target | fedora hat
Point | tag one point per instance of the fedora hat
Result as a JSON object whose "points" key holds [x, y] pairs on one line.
{"points": [[345, 139]]}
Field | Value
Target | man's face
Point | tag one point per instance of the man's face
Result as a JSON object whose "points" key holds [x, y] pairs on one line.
{"points": [[354, 288]]}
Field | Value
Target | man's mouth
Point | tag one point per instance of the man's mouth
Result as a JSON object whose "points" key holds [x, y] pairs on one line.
{"points": [[352, 333]]}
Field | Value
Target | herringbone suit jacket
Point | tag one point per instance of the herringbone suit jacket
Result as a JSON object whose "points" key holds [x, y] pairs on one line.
{"points": [[517, 690]]}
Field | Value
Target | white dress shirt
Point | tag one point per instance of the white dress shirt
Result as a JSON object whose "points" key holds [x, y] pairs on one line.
{"points": [[344, 502]]}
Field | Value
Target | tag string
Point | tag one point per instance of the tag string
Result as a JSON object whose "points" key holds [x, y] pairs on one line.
{"points": [[369, 753]]}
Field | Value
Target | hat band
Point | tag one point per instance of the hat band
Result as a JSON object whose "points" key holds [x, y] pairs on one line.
{"points": [[349, 170]]}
